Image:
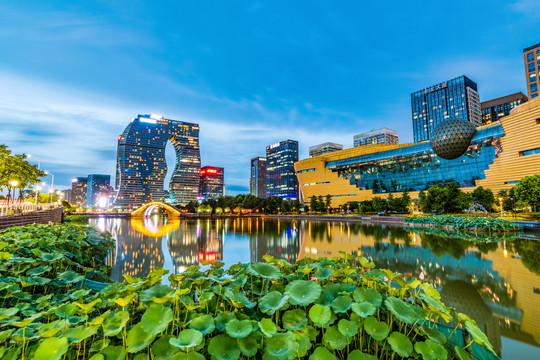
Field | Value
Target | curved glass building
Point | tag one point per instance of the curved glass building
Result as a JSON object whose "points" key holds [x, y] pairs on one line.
{"points": [[141, 166]]}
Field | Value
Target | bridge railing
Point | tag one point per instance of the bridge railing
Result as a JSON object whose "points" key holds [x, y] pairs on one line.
{"points": [[17, 207]]}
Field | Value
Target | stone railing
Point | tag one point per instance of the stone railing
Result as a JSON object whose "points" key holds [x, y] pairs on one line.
{"points": [[34, 217]]}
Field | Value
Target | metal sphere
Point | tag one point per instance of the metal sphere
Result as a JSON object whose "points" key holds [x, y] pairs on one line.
{"points": [[451, 138]]}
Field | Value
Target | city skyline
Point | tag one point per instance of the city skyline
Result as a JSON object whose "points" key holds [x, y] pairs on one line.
{"points": [[272, 74]]}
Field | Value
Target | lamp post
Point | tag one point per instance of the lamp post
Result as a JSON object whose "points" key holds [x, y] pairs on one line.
{"points": [[37, 191], [51, 189], [13, 184], [501, 203]]}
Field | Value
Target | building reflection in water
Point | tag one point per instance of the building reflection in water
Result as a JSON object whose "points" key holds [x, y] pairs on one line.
{"points": [[496, 284]]}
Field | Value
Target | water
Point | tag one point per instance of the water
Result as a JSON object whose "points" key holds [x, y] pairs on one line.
{"points": [[497, 284]]}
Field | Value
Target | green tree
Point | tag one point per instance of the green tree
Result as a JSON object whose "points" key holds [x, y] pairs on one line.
{"points": [[313, 203], [484, 197], [378, 204], [527, 190], [328, 201]]}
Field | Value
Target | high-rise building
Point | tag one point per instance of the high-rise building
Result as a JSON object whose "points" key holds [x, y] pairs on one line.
{"points": [[280, 175], [66, 195], [379, 136], [257, 178], [531, 57], [324, 148], [78, 191], [211, 183], [455, 98], [494, 110], [141, 166], [97, 189]]}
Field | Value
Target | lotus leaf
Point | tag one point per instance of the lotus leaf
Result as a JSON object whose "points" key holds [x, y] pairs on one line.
{"points": [[86, 308], [334, 339], [403, 311], [250, 344], [156, 319], [272, 302], [70, 277], [322, 353], [294, 319], [50, 258], [434, 335], [376, 329], [162, 349], [302, 292], [222, 319], [125, 301], [160, 294], [223, 347], [238, 298], [430, 350], [187, 339], [49, 329], [138, 339], [188, 356], [99, 345], [238, 328], [51, 349], [38, 270], [304, 343], [358, 355], [477, 335], [265, 270], [366, 263], [341, 304], [323, 273], [204, 324], [400, 344], [370, 295], [7, 313], [363, 309], [347, 328], [267, 327], [80, 333], [461, 353], [320, 315], [114, 353], [281, 346], [98, 357]]}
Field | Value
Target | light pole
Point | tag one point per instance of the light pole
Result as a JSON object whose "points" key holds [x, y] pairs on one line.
{"points": [[37, 191], [13, 184], [51, 189], [501, 203]]}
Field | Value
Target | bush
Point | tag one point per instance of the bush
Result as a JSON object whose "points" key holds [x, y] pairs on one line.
{"points": [[464, 222]]}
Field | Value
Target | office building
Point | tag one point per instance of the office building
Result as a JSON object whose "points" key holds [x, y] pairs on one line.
{"points": [[280, 175], [97, 190], [324, 148], [141, 166], [78, 191], [66, 195], [257, 178], [494, 110], [211, 184], [531, 57], [453, 99], [379, 136], [496, 157]]}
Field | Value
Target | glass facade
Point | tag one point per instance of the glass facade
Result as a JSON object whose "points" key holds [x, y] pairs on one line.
{"points": [[97, 187], [78, 191], [456, 98], [257, 178], [324, 149], [141, 166], [494, 110], [416, 167], [531, 57], [211, 184], [380, 136], [280, 175]]}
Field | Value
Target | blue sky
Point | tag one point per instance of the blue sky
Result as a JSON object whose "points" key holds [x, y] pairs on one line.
{"points": [[73, 74]]}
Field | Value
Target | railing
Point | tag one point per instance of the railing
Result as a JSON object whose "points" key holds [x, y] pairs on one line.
{"points": [[21, 207]]}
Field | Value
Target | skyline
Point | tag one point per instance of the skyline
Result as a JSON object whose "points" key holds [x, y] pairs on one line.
{"points": [[77, 75]]}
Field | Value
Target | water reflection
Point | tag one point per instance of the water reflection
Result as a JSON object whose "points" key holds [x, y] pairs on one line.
{"points": [[497, 284]]}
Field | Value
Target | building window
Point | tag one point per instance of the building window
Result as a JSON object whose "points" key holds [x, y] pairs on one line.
{"points": [[531, 67], [533, 96], [534, 87], [530, 57], [529, 152], [536, 290]]}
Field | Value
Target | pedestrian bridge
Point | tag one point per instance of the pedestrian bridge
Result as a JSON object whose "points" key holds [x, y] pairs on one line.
{"points": [[147, 209]]}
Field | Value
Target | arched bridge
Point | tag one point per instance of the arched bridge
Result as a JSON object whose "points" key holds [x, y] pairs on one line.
{"points": [[146, 209]]}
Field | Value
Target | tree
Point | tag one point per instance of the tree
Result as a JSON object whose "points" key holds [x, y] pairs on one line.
{"points": [[378, 204], [483, 197], [15, 167], [328, 201], [527, 190], [313, 203]]}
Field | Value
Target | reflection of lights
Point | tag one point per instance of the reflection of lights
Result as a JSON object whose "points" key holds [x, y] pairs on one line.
{"points": [[103, 202]]}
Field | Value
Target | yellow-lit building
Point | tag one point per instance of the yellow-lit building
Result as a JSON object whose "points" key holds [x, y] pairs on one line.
{"points": [[499, 155]]}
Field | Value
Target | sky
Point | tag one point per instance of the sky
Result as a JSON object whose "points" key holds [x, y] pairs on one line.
{"points": [[251, 73]]}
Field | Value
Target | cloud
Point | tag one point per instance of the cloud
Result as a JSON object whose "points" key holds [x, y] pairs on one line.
{"points": [[528, 8]]}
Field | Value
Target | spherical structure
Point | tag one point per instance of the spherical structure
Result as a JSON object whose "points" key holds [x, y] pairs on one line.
{"points": [[451, 138]]}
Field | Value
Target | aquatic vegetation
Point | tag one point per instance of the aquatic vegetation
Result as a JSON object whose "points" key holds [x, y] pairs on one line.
{"points": [[77, 218], [464, 222], [328, 308]]}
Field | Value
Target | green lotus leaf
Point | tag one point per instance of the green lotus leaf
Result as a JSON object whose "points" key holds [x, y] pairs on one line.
{"points": [[363, 309], [347, 328], [320, 315], [366, 263], [66, 310], [341, 304], [311, 332], [250, 344], [98, 357], [115, 323], [70, 277], [36, 280], [6, 313], [80, 333], [358, 355], [322, 353], [99, 345], [162, 348], [204, 324], [222, 319], [323, 273], [403, 311], [11, 354], [461, 353], [4, 335], [238, 328], [376, 329], [368, 294], [302, 292], [272, 302], [430, 290], [192, 355], [187, 339], [334, 339], [156, 319], [138, 339], [434, 335], [238, 299], [49, 329], [86, 308], [477, 335], [223, 347], [160, 294], [281, 346], [38, 270], [114, 353], [50, 258], [51, 349], [304, 343], [400, 344], [430, 350], [294, 319], [267, 327], [265, 270]]}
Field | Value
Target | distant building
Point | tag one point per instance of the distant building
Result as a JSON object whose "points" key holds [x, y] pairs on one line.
{"points": [[280, 175], [379, 136], [78, 191], [257, 178], [531, 57], [324, 148], [211, 184], [494, 110], [97, 188], [66, 195], [455, 98]]}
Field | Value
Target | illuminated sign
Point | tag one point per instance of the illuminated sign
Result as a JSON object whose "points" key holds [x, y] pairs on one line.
{"points": [[209, 171], [74, 180], [209, 256], [273, 146], [120, 138], [145, 120]]}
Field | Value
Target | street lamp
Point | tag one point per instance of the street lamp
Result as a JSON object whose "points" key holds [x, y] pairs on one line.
{"points": [[51, 189], [13, 184], [501, 203], [37, 191]]}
